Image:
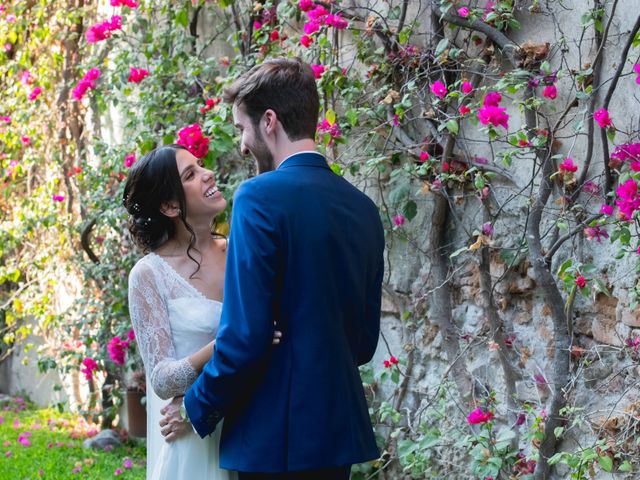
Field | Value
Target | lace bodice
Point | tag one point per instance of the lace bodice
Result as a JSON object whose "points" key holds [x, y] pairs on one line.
{"points": [[171, 320]]}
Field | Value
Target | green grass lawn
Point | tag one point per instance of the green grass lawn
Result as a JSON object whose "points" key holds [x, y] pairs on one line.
{"points": [[45, 444]]}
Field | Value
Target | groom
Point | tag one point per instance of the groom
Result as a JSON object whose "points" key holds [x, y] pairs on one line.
{"points": [[306, 255]]}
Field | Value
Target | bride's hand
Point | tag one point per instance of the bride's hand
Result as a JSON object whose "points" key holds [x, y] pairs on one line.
{"points": [[172, 426]]}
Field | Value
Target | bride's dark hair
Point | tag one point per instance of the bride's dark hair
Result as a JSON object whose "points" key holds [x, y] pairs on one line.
{"points": [[152, 181]]}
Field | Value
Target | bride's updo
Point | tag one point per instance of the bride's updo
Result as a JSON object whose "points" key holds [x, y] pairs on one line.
{"points": [[154, 180]]}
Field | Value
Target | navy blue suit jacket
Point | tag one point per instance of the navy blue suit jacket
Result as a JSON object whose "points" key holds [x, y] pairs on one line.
{"points": [[306, 252]]}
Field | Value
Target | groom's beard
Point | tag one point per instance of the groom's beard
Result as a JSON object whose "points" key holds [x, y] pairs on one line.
{"points": [[261, 152]]}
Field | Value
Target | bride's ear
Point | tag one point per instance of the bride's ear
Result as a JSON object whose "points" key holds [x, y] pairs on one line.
{"points": [[170, 209]]}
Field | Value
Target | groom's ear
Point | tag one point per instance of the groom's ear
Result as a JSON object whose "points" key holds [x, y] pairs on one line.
{"points": [[170, 209], [270, 121]]}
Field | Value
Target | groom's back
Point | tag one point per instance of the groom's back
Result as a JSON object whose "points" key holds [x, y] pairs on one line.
{"points": [[309, 410]]}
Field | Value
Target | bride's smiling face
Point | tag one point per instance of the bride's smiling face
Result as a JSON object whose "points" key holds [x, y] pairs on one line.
{"points": [[201, 194]]}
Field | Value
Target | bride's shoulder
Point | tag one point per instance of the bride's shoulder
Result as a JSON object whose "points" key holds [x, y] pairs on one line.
{"points": [[144, 268]]}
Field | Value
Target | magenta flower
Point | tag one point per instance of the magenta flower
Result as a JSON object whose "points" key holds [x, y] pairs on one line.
{"points": [[602, 117], [318, 14], [136, 75], [439, 89], [126, 3], [318, 70], [25, 140], [628, 200], [595, 233], [496, 116], [1, 419], [636, 68], [521, 419], [16, 423], [591, 187], [90, 366], [580, 281], [550, 92], [606, 209], [492, 99], [7, 454], [88, 82], [57, 198], [35, 93], [257, 25], [117, 472], [399, 220], [624, 152], [567, 166], [192, 138], [23, 439], [102, 31], [306, 40], [131, 335], [311, 27], [6, 119], [395, 121], [463, 12], [467, 87], [10, 18], [478, 416], [129, 159], [336, 21], [333, 130], [463, 110], [424, 156], [305, 5], [127, 463], [487, 229], [117, 350]]}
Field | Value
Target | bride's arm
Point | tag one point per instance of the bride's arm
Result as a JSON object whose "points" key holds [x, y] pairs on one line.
{"points": [[169, 376]]}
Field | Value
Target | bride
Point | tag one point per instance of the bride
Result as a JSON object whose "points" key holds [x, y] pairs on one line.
{"points": [[175, 299]]}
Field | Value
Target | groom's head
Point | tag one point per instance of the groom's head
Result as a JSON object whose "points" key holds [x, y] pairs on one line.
{"points": [[280, 91]]}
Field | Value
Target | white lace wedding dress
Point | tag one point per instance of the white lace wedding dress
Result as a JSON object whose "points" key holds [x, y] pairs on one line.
{"points": [[172, 320]]}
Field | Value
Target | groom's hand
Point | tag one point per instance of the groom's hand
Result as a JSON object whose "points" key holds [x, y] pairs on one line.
{"points": [[172, 426]]}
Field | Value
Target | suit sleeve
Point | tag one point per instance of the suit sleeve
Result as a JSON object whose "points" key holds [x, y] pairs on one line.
{"points": [[246, 327], [370, 330]]}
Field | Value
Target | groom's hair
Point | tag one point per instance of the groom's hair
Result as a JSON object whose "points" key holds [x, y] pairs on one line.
{"points": [[285, 85]]}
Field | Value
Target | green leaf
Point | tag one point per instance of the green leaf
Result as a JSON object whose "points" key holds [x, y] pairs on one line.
{"points": [[410, 210], [331, 117], [625, 466], [442, 45], [479, 182], [452, 126], [182, 18], [337, 169], [606, 463], [458, 252]]}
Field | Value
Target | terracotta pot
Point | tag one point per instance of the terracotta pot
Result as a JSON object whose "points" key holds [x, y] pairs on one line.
{"points": [[136, 414]]}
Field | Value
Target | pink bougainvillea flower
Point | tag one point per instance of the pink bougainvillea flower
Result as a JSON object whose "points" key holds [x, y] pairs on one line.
{"points": [[439, 89], [478, 416], [623, 153], [523, 142], [399, 220], [88, 82], [445, 166], [467, 88], [117, 349], [521, 419], [131, 335], [492, 99], [90, 366], [127, 463], [550, 92], [496, 116], [602, 117], [24, 439], [6, 119], [305, 5], [102, 31], [595, 233], [591, 187], [35, 93], [57, 198], [636, 68], [25, 78], [136, 75], [487, 229], [125, 3], [628, 200], [275, 35], [567, 166], [306, 40], [192, 138], [463, 12], [318, 70], [580, 281], [333, 130], [424, 156], [10, 18], [129, 159], [606, 209], [319, 13], [257, 25], [117, 472], [311, 27], [463, 110], [26, 140], [336, 21], [395, 120]]}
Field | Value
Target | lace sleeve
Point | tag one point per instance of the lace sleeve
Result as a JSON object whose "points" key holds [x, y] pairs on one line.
{"points": [[150, 318]]}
